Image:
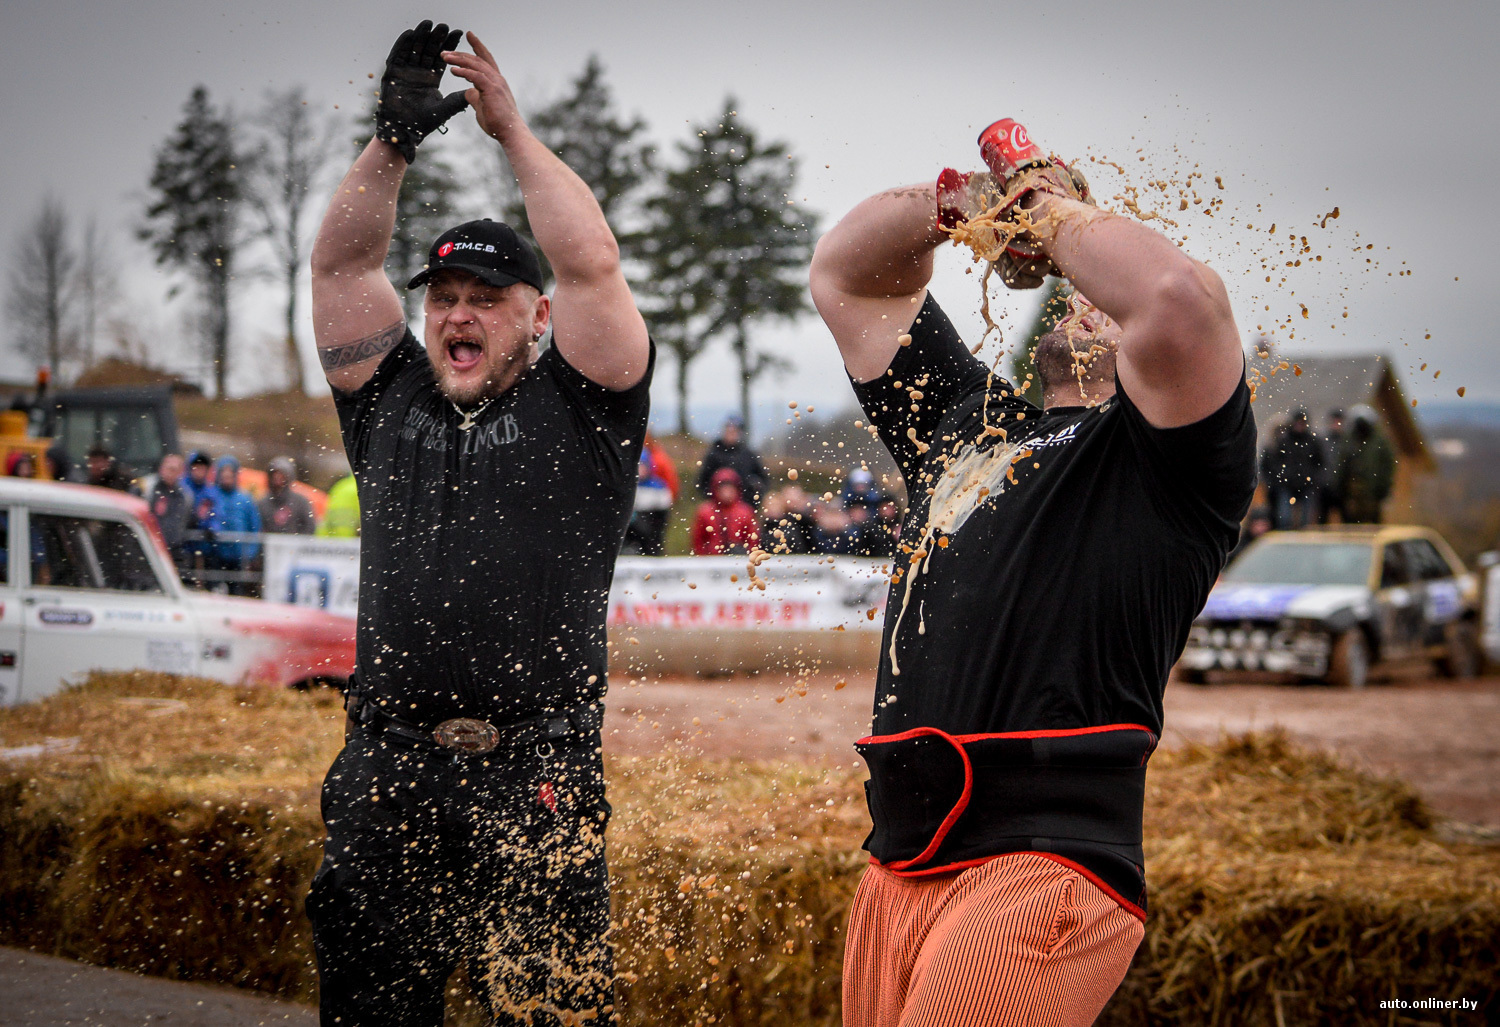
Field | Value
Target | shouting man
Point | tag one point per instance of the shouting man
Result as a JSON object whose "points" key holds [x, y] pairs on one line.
{"points": [[466, 812], [1050, 567]]}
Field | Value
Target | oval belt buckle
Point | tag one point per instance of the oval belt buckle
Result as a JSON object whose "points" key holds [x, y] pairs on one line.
{"points": [[467, 735]]}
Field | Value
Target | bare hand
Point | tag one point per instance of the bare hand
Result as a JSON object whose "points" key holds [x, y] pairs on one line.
{"points": [[493, 102]]}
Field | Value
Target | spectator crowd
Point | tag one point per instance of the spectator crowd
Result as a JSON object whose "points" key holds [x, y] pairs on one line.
{"points": [[1342, 475], [738, 511], [213, 512], [210, 521]]}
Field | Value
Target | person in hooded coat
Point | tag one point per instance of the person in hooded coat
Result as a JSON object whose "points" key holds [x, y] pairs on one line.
{"points": [[225, 507], [725, 523], [283, 511]]}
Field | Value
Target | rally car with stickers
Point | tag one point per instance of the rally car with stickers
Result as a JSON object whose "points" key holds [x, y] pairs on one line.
{"points": [[87, 583], [1336, 604]]}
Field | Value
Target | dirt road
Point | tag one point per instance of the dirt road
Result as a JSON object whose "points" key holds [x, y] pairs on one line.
{"points": [[1442, 736], [43, 991]]}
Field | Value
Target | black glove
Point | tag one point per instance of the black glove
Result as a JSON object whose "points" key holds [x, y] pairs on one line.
{"points": [[411, 106]]}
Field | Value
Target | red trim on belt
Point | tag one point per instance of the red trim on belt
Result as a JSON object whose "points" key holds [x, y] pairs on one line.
{"points": [[958, 807], [950, 868], [917, 732]]}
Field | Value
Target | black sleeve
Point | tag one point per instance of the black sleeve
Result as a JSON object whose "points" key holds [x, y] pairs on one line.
{"points": [[613, 422], [937, 364], [356, 409], [1203, 474]]}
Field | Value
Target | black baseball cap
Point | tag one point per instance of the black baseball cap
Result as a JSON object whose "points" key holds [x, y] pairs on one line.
{"points": [[491, 251]]}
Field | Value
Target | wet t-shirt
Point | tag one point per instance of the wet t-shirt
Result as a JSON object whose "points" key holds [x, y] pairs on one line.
{"points": [[1067, 557], [486, 553]]}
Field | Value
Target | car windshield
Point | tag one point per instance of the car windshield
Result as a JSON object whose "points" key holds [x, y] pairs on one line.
{"points": [[1302, 563]]}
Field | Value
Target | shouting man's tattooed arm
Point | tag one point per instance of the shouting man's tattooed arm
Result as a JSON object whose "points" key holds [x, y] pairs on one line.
{"points": [[371, 347], [357, 316]]}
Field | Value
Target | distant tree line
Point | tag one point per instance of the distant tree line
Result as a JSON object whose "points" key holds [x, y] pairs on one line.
{"points": [[713, 237]]}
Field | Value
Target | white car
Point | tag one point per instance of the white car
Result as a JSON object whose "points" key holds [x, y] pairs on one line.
{"points": [[88, 584]]}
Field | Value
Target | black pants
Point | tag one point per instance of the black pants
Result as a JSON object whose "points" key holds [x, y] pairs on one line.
{"points": [[494, 860]]}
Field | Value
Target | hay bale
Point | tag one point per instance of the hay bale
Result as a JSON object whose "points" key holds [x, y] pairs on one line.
{"points": [[1286, 886]]}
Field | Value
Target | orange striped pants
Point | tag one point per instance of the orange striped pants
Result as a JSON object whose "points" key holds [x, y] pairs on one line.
{"points": [[1018, 940]]}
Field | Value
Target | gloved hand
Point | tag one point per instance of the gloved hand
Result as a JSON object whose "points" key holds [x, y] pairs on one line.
{"points": [[1023, 168], [411, 106]]}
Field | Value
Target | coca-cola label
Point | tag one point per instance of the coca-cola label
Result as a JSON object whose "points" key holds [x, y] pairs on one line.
{"points": [[1007, 146]]}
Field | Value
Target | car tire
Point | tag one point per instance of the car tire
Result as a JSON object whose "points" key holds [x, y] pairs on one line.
{"points": [[1461, 660], [1349, 663]]}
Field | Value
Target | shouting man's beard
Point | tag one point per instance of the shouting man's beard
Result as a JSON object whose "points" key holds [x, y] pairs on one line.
{"points": [[481, 375]]}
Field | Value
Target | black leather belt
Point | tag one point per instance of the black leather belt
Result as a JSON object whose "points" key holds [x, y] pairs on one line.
{"points": [[474, 736]]}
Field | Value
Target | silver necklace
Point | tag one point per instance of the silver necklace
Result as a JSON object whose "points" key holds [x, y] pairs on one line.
{"points": [[469, 415]]}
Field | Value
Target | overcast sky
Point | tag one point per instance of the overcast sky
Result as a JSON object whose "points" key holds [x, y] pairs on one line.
{"points": [[1386, 111]]}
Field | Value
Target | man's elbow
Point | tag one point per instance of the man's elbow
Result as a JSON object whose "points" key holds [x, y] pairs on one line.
{"points": [[1189, 300], [824, 272], [1192, 290], [591, 260], [327, 262]]}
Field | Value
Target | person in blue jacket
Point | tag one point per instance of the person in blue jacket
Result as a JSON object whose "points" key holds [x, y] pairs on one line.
{"points": [[228, 508]]}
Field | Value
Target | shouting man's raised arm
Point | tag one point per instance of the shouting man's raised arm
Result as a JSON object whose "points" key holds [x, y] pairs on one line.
{"points": [[596, 325], [357, 316]]}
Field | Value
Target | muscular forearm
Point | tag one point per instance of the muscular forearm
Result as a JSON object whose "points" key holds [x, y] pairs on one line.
{"points": [[883, 247], [356, 230], [1137, 276], [565, 217]]}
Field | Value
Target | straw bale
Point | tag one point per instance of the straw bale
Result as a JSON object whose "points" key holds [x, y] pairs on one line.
{"points": [[179, 835]]}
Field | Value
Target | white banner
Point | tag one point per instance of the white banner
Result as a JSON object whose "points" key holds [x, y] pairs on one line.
{"points": [[311, 571], [801, 592]]}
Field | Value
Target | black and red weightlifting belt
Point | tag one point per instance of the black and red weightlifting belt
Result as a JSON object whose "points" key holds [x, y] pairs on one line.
{"points": [[943, 802]]}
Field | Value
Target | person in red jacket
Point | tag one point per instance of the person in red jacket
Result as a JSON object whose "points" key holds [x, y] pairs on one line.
{"points": [[725, 522]]}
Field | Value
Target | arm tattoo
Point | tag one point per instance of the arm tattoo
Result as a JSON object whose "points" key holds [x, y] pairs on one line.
{"points": [[359, 350]]}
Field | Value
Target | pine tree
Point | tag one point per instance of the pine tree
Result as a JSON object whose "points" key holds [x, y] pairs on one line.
{"points": [[426, 207], [725, 246], [192, 220]]}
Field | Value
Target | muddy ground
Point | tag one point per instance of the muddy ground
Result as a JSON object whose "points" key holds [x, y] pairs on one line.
{"points": [[1443, 736]]}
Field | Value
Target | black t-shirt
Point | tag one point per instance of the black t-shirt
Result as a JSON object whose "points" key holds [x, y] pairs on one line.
{"points": [[1064, 583], [486, 554]]}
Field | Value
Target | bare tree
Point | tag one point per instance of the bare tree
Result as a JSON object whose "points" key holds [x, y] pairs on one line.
{"points": [[41, 301], [98, 289], [291, 152]]}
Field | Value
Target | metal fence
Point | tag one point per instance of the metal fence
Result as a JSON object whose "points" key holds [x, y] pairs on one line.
{"points": [[231, 562]]}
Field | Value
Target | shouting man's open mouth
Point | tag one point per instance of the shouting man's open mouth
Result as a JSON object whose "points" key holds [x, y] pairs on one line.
{"points": [[464, 353]]}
